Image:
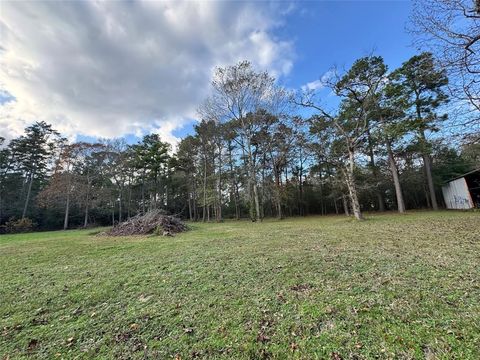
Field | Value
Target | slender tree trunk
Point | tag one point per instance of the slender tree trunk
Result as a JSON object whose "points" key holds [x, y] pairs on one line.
{"points": [[190, 213], [129, 202], [205, 189], [87, 200], [29, 191], [431, 188], [120, 206], [396, 179], [321, 190], [300, 188], [143, 193], [427, 164], [375, 174], [234, 182], [155, 191], [113, 212], [237, 203], [278, 193], [67, 210], [67, 205], [85, 220], [345, 205], [252, 180], [219, 190], [253, 177], [194, 202], [257, 201]]}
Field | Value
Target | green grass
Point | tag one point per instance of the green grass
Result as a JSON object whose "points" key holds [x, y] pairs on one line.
{"points": [[390, 287]]}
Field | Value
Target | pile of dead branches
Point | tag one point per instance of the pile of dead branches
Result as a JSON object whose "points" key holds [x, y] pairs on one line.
{"points": [[153, 222]]}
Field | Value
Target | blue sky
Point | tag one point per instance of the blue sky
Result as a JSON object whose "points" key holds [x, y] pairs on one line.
{"points": [[339, 32], [117, 69], [328, 33]]}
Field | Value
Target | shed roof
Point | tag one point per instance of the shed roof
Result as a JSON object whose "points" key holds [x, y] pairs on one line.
{"points": [[461, 176]]}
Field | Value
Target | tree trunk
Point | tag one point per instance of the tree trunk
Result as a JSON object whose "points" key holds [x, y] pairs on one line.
{"points": [[120, 206], [351, 185], [155, 192], [29, 191], [67, 205], [300, 189], [190, 214], [396, 179], [143, 193], [129, 201], [345, 205], [431, 188], [205, 189], [381, 201], [278, 193], [113, 213], [234, 182], [375, 174], [253, 179], [87, 200], [194, 202], [426, 159], [257, 201], [85, 220], [67, 210], [219, 189]]}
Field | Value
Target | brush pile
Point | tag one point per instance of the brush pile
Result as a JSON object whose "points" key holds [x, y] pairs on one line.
{"points": [[153, 222]]}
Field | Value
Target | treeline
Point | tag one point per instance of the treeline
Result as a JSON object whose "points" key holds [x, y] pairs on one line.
{"points": [[253, 156]]}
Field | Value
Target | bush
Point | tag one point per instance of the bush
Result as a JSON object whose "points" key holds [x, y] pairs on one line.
{"points": [[19, 225]]}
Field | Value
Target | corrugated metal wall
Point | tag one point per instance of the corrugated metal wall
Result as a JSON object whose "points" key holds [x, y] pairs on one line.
{"points": [[456, 195]]}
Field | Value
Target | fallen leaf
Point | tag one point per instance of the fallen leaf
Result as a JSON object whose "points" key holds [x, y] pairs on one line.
{"points": [[76, 311], [142, 298], [336, 356], [263, 338], [32, 345]]}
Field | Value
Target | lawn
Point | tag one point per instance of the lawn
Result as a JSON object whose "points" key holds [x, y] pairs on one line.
{"points": [[310, 288]]}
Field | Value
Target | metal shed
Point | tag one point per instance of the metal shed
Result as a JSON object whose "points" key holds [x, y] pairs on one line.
{"points": [[463, 192]]}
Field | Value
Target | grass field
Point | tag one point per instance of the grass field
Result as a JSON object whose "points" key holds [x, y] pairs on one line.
{"points": [[318, 287]]}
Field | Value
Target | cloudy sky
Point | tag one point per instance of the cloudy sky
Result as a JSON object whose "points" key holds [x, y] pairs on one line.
{"points": [[127, 68]]}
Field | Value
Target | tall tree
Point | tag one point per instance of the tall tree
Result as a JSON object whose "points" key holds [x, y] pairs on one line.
{"points": [[362, 86], [188, 162], [34, 153], [151, 159], [240, 93], [91, 160], [392, 128], [423, 84], [351, 126]]}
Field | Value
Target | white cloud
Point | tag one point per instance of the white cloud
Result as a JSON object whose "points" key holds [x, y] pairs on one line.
{"points": [[319, 83], [107, 69], [313, 85]]}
